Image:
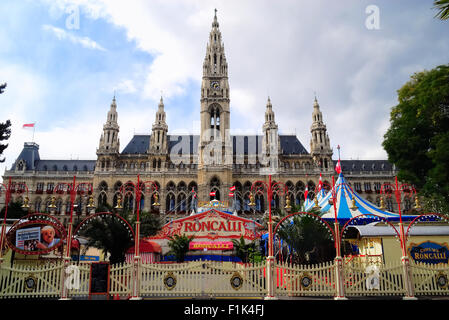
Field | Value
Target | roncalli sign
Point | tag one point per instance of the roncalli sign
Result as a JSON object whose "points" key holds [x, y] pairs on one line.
{"points": [[429, 252], [212, 224], [36, 235]]}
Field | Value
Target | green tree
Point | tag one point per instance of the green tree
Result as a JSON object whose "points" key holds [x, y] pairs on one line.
{"points": [[109, 234], [179, 246], [5, 128], [418, 138], [150, 223], [245, 251], [5, 133], [15, 211], [309, 240], [443, 9]]}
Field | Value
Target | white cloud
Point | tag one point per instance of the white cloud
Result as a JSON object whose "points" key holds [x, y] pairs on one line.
{"points": [[286, 50], [23, 101], [62, 34], [126, 86]]}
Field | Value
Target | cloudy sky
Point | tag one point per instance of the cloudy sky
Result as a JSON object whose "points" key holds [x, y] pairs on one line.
{"points": [[64, 59]]}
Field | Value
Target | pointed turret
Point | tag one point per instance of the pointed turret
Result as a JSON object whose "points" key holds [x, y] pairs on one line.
{"points": [[320, 148], [215, 61], [270, 142], [109, 141], [158, 141]]}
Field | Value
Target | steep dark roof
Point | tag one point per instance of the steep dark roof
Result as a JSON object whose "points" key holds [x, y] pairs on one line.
{"points": [[138, 145], [291, 145], [30, 154], [66, 165], [188, 144], [365, 165]]}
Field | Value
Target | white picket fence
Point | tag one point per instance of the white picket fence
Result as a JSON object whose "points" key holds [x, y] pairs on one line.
{"points": [[226, 279], [202, 278], [374, 280], [305, 280], [430, 280], [27, 281]]}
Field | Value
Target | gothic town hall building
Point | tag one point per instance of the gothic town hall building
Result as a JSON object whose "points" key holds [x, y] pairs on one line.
{"points": [[186, 166]]}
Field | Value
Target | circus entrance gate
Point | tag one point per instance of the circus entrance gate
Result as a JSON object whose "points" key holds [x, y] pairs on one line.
{"points": [[202, 279]]}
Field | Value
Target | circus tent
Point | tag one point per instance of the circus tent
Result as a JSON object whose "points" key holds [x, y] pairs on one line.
{"points": [[309, 204], [350, 204], [150, 252]]}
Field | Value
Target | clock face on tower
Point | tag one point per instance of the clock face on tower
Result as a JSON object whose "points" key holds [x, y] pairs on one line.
{"points": [[215, 85]]}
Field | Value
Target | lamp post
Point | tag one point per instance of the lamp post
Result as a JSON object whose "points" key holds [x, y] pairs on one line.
{"points": [[260, 187], [74, 188], [338, 258], [138, 188], [397, 190], [340, 295], [8, 190]]}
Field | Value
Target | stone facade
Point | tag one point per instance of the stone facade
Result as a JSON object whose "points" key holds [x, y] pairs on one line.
{"points": [[212, 161]]}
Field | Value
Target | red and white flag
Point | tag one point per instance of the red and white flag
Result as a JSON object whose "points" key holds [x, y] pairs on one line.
{"points": [[320, 183], [306, 193], [231, 194], [212, 193], [338, 167], [28, 125], [232, 188]]}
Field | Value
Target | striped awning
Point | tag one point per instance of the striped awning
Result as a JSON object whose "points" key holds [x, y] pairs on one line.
{"points": [[347, 209]]}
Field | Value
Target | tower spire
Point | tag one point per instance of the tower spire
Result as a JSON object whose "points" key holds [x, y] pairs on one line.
{"points": [[215, 100], [109, 141], [158, 140], [320, 148], [215, 23]]}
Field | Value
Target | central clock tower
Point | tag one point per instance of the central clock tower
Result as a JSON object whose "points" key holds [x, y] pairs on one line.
{"points": [[214, 148], [215, 113]]}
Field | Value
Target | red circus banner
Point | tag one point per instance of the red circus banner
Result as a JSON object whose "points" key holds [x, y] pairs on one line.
{"points": [[211, 225], [211, 245]]}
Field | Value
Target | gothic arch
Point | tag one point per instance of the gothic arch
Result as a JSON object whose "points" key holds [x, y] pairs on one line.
{"points": [[182, 186], [215, 182], [181, 203], [170, 186], [193, 185], [170, 202]]}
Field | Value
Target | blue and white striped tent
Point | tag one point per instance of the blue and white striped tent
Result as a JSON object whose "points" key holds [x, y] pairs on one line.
{"points": [[344, 205], [309, 204]]}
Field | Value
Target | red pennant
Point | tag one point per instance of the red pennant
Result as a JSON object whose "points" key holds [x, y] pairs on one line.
{"points": [[338, 167]]}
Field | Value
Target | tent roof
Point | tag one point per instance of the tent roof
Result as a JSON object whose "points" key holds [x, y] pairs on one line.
{"points": [[146, 246], [373, 229], [345, 195]]}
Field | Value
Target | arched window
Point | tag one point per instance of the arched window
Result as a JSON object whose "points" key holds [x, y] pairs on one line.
{"points": [[215, 118], [102, 197]]}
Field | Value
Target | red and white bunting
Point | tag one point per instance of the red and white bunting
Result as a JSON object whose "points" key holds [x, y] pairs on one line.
{"points": [[231, 194], [232, 188]]}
